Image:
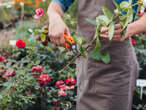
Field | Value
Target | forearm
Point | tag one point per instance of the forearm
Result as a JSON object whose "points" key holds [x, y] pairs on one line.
{"points": [[138, 26], [54, 9]]}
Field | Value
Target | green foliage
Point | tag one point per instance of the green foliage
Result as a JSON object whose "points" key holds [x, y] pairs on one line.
{"points": [[23, 90], [124, 12]]}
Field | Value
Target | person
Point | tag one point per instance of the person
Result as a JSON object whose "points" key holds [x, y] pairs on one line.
{"points": [[100, 86]]}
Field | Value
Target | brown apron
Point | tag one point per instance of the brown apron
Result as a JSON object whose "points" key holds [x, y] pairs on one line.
{"points": [[104, 86]]}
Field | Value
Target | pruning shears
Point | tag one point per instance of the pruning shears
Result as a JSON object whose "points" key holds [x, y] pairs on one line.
{"points": [[70, 44]]}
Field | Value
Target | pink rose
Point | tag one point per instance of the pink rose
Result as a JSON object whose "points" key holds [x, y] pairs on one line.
{"points": [[38, 13], [12, 73], [61, 85], [62, 92]]}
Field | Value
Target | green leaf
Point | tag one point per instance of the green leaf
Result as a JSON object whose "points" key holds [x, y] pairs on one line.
{"points": [[95, 54], [104, 20], [36, 31], [111, 30], [79, 39], [91, 21], [45, 31], [117, 5], [124, 5], [43, 37], [105, 58], [107, 13], [128, 19]]}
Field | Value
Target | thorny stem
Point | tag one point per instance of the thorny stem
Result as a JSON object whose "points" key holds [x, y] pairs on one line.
{"points": [[77, 55]]}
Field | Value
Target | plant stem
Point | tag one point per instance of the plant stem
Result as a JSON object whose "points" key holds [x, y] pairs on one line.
{"points": [[76, 56]]}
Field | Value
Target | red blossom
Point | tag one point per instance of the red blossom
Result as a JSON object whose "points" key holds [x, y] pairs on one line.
{"points": [[1, 59], [11, 73], [62, 92], [44, 79], [70, 81], [37, 68], [20, 43], [133, 42]]}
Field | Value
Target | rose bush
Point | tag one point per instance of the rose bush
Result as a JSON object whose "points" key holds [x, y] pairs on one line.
{"points": [[30, 78]]}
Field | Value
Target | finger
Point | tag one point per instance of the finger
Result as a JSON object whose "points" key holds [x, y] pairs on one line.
{"points": [[117, 38], [104, 30], [62, 41], [104, 36], [118, 26], [67, 32], [118, 32], [57, 41]]}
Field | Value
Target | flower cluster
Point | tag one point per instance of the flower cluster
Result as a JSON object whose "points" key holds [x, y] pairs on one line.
{"points": [[67, 85], [43, 78]]}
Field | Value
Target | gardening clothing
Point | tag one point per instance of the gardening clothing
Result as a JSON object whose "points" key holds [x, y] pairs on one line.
{"points": [[104, 86]]}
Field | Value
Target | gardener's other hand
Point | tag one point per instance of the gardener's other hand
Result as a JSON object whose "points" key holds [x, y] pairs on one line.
{"points": [[117, 33], [57, 29]]}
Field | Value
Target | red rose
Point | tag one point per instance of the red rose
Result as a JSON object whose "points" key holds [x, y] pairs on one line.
{"points": [[62, 92], [20, 43], [1, 59], [133, 42], [44, 79], [70, 81], [37, 68], [12, 73]]}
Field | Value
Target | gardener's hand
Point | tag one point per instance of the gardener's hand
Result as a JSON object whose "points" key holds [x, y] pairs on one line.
{"points": [[117, 33], [57, 27]]}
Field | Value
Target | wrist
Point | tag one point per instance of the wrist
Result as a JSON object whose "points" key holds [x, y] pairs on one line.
{"points": [[53, 15]]}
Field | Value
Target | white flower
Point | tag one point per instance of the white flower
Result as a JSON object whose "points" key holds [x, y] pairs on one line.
{"points": [[12, 42]]}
